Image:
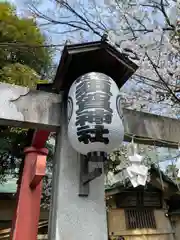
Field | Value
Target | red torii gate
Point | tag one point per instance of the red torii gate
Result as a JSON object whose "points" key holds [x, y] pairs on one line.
{"points": [[26, 217], [29, 185]]}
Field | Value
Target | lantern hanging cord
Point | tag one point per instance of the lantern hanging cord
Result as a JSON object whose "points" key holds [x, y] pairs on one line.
{"points": [[133, 137], [163, 141]]}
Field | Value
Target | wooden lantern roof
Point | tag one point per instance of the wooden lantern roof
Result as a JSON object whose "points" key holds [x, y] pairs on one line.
{"points": [[99, 56]]}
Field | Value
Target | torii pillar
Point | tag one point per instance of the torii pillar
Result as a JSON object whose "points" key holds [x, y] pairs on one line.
{"points": [[72, 216], [26, 216], [77, 212]]}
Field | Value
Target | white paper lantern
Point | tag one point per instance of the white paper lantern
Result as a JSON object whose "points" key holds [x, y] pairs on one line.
{"points": [[94, 114]]}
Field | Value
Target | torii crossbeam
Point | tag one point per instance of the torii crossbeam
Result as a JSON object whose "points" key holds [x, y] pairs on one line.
{"points": [[22, 107]]}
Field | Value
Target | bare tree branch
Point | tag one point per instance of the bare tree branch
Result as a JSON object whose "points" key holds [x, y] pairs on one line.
{"points": [[68, 7], [73, 24], [83, 20], [162, 80], [165, 14]]}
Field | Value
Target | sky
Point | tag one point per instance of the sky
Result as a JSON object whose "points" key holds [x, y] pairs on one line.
{"points": [[16, 2]]}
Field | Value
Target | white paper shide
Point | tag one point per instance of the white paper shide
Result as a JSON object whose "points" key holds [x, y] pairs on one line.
{"points": [[136, 172]]}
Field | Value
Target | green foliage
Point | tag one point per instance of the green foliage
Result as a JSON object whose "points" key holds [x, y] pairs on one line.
{"points": [[22, 41], [23, 60], [12, 142], [19, 74]]}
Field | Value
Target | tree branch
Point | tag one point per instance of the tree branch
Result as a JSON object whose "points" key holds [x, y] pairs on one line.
{"points": [[50, 20], [68, 7], [162, 80], [149, 30], [165, 15]]}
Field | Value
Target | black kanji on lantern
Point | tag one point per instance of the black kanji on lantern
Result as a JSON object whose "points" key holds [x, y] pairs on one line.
{"points": [[93, 101]]}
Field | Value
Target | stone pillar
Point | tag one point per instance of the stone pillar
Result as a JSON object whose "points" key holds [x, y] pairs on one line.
{"points": [[26, 219], [71, 216]]}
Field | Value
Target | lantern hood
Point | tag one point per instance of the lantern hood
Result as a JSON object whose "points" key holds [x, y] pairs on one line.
{"points": [[79, 59]]}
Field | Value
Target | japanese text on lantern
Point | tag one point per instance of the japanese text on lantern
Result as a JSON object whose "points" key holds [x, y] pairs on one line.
{"points": [[93, 101]]}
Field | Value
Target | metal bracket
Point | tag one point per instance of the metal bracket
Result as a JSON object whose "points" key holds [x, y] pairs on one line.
{"points": [[86, 176]]}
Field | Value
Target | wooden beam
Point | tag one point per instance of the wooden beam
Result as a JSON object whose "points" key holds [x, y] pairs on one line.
{"points": [[23, 107], [38, 171]]}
